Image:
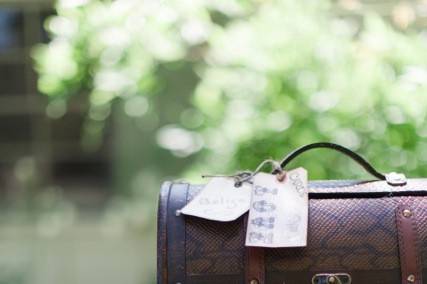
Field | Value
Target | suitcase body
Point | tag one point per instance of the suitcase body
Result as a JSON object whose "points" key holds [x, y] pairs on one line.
{"points": [[359, 232]]}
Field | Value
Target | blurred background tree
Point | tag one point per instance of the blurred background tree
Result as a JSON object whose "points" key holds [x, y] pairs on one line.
{"points": [[174, 89], [260, 78]]}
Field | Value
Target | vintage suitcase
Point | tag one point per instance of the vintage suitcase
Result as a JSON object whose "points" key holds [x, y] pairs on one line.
{"points": [[372, 232]]}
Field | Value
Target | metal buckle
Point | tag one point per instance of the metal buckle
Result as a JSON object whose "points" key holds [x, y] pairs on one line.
{"points": [[331, 278]]}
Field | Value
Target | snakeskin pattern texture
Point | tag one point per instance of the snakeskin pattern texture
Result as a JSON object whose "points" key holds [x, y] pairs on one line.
{"points": [[344, 234], [355, 235], [209, 251]]}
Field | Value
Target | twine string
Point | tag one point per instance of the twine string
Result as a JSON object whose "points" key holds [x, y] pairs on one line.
{"points": [[246, 176]]}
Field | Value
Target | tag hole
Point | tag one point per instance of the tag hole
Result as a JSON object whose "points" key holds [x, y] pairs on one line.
{"points": [[281, 176], [238, 184]]}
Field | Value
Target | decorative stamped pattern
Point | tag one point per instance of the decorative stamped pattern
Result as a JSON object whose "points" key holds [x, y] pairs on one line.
{"points": [[278, 212], [263, 222], [263, 206], [261, 190]]}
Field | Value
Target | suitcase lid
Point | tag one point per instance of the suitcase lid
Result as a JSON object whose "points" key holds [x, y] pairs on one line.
{"points": [[369, 188], [319, 189]]}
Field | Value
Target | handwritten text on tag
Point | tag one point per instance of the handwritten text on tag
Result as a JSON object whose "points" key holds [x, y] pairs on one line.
{"points": [[278, 214], [220, 200]]}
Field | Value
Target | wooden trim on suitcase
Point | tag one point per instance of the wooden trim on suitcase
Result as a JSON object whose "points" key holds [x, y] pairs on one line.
{"points": [[409, 253], [162, 252], [176, 262], [254, 265], [254, 262]]}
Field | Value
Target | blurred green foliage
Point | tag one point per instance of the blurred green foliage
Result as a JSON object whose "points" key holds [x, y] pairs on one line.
{"points": [[270, 76]]}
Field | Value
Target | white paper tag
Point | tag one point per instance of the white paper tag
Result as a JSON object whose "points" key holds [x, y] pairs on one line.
{"points": [[278, 215], [220, 200]]}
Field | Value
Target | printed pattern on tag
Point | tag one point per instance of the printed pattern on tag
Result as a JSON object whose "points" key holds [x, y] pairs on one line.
{"points": [[278, 214], [220, 200]]}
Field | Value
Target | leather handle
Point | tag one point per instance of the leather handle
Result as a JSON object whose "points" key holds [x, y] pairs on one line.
{"points": [[356, 157]]}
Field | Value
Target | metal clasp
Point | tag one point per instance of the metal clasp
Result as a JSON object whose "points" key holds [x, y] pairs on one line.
{"points": [[331, 278]]}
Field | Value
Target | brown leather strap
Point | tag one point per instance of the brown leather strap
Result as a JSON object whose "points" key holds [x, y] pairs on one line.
{"points": [[254, 263], [410, 260]]}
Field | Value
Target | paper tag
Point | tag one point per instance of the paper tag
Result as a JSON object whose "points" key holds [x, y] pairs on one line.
{"points": [[220, 200], [278, 215]]}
